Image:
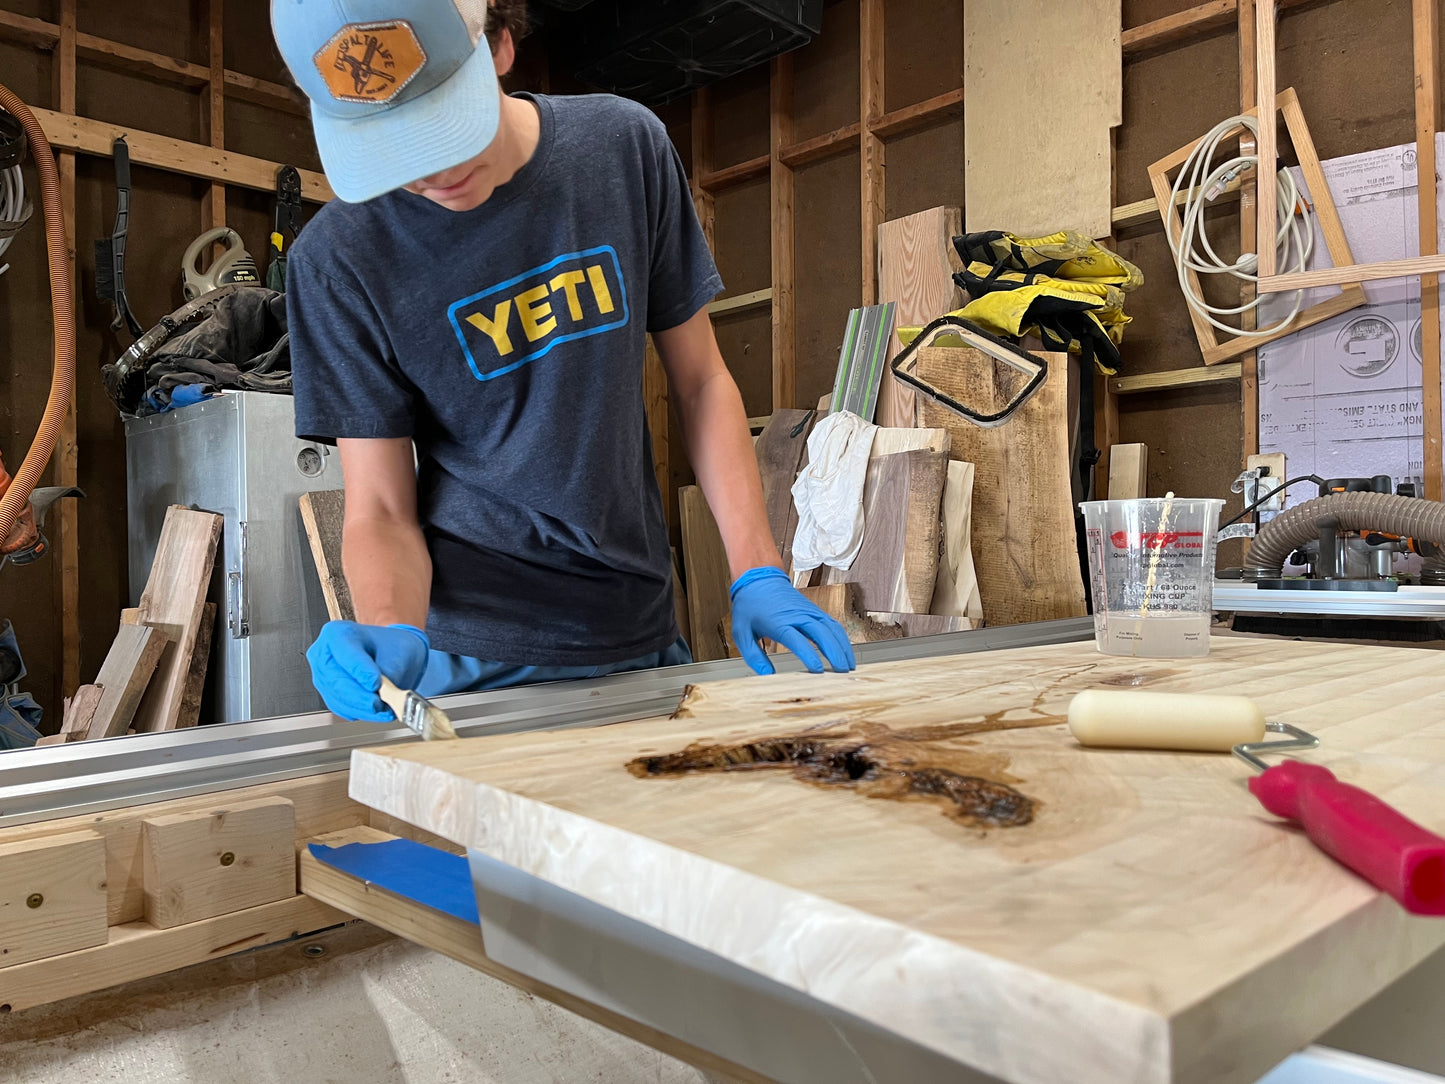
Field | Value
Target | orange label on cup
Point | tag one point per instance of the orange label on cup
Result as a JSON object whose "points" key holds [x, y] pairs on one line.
{"points": [[370, 62]]}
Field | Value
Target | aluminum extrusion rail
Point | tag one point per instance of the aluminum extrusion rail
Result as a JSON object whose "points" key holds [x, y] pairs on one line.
{"points": [[54, 781]]}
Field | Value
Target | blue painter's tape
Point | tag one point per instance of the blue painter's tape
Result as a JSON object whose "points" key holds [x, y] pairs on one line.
{"points": [[435, 878]]}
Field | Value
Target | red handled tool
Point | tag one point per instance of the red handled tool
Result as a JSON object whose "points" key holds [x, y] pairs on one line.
{"points": [[1352, 826]]}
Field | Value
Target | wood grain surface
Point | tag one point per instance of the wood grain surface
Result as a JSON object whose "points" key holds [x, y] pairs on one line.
{"points": [[1152, 924], [124, 675], [1022, 523], [897, 562], [174, 601], [706, 564], [916, 261], [323, 514]]}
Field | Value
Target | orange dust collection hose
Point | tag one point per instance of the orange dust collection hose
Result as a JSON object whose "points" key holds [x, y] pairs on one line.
{"points": [[62, 380]]}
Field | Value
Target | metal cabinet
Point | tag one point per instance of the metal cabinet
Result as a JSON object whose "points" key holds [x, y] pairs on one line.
{"points": [[237, 455]]}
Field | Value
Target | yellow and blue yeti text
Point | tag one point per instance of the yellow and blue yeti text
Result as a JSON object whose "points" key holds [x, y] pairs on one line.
{"points": [[515, 322]]}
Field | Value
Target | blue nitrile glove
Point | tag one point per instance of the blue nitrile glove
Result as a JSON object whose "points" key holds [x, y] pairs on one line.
{"points": [[767, 606], [348, 659]]}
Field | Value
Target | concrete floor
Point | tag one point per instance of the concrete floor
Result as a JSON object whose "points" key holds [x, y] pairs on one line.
{"points": [[371, 1010]]}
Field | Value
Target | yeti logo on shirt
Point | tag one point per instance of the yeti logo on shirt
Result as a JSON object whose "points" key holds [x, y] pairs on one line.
{"points": [[518, 321]]}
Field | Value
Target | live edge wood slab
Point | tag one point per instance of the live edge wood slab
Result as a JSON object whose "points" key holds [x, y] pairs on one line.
{"points": [[1149, 923]]}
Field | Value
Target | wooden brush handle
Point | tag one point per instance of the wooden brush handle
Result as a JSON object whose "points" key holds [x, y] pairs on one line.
{"points": [[392, 697]]}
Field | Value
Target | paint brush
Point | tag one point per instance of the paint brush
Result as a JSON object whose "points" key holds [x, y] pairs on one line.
{"points": [[416, 712]]}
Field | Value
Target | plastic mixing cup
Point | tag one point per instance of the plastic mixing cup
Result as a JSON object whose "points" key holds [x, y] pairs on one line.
{"points": [[1152, 566]]}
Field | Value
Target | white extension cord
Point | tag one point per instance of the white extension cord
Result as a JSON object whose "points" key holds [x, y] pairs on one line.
{"points": [[1202, 180], [12, 205]]}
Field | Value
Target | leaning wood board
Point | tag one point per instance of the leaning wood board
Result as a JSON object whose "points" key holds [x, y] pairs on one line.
{"points": [[1152, 924], [1021, 519]]}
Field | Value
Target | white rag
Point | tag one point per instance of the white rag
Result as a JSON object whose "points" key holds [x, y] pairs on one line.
{"points": [[829, 493]]}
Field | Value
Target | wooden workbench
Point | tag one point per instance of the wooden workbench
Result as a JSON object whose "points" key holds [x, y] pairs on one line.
{"points": [[1150, 923]]}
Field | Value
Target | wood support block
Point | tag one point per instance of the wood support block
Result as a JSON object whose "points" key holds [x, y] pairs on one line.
{"points": [[1128, 472], [199, 865], [52, 896]]}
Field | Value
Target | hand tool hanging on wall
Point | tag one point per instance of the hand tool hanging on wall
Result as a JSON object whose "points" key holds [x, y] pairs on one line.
{"points": [[288, 218], [110, 253]]}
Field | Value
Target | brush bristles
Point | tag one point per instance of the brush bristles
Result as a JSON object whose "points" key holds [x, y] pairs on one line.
{"points": [[437, 726]]}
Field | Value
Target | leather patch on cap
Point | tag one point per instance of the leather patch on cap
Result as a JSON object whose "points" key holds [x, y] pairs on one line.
{"points": [[370, 62]]}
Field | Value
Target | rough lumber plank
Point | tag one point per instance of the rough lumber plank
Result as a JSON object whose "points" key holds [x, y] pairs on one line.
{"points": [[679, 598], [922, 624], [873, 156], [1022, 526], [195, 689], [137, 950], [462, 941], [80, 710], [707, 575], [1427, 122], [899, 122], [1359, 272], [807, 151], [654, 404], [897, 563], [174, 601], [842, 602], [1128, 472], [1023, 91], [52, 896], [782, 193], [781, 454], [248, 88], [916, 261], [202, 864], [66, 521], [740, 301], [1266, 145], [1112, 976], [1181, 26], [28, 31], [320, 801], [1249, 360], [127, 670], [702, 199], [323, 514], [893, 441], [955, 591], [176, 155], [718, 179]]}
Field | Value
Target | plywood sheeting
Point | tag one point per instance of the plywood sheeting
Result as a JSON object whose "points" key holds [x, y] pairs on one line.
{"points": [[1037, 152], [1022, 522]]}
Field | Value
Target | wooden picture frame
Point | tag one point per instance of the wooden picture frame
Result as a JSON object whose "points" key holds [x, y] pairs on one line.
{"points": [[1351, 295]]}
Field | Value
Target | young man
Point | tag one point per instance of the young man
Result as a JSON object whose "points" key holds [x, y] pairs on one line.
{"points": [[480, 292]]}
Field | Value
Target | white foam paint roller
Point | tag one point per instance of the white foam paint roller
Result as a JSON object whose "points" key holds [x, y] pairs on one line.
{"points": [[1136, 719]]}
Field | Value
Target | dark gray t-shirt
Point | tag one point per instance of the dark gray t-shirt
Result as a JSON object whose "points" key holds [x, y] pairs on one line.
{"points": [[509, 342]]}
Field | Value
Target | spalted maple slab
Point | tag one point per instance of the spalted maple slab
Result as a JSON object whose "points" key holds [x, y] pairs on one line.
{"points": [[1150, 922]]}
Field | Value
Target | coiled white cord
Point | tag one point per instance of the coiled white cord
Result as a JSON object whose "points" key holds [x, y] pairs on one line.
{"points": [[12, 205], [1202, 180]]}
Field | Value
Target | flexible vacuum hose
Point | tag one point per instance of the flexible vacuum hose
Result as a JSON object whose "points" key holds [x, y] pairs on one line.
{"points": [[62, 379], [1408, 517]]}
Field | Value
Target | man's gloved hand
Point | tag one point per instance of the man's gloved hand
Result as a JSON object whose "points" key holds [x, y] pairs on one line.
{"points": [[766, 605], [348, 659]]}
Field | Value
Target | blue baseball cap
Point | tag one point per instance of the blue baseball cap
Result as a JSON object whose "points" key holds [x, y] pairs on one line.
{"points": [[399, 89]]}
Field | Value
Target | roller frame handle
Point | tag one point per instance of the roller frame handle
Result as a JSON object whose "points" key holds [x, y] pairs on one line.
{"points": [[1389, 850]]}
